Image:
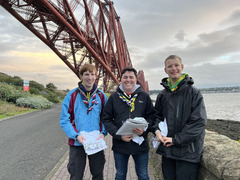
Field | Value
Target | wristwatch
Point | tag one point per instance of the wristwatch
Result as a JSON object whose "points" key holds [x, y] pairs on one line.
{"points": [[76, 136]]}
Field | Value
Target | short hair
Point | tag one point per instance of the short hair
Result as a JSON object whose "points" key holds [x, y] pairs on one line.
{"points": [[87, 67], [129, 69], [173, 57]]}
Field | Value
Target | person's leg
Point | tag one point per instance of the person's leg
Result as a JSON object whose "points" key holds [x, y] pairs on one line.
{"points": [[77, 162], [187, 170], [96, 164], [168, 168], [141, 166], [121, 165]]}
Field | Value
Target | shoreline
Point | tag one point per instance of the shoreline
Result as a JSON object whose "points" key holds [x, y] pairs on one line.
{"points": [[227, 128]]}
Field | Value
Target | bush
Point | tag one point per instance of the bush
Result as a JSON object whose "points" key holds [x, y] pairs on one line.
{"points": [[35, 102], [52, 97], [34, 84], [5, 91], [10, 93], [34, 91]]}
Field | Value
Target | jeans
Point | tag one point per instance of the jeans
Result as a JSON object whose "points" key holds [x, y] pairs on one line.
{"points": [[141, 166], [77, 163]]}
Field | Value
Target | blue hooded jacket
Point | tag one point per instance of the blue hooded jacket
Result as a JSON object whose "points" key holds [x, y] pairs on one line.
{"points": [[83, 119]]}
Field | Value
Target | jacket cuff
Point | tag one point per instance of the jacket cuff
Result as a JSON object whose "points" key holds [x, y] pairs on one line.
{"points": [[104, 132]]}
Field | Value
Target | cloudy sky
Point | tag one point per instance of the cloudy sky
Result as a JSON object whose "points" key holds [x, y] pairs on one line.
{"points": [[205, 34]]}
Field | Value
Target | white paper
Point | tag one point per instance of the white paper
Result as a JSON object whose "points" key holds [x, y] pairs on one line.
{"points": [[163, 127], [155, 142], [137, 139], [91, 144], [130, 124]]}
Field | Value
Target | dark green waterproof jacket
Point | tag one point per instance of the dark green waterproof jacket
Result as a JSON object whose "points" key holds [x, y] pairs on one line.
{"points": [[186, 119]]}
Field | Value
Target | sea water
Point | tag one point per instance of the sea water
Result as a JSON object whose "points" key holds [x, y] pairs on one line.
{"points": [[220, 105]]}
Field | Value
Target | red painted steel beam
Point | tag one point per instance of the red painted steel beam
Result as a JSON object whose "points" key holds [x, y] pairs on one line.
{"points": [[78, 39], [48, 5]]}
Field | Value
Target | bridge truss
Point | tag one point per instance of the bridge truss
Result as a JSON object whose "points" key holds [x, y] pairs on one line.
{"points": [[79, 32]]}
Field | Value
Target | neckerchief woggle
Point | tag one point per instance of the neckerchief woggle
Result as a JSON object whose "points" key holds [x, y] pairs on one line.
{"points": [[87, 94]]}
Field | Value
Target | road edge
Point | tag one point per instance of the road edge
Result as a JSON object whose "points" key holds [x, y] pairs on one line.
{"points": [[53, 171]]}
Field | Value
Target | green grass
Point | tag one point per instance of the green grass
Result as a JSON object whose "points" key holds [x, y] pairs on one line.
{"points": [[9, 109], [155, 170]]}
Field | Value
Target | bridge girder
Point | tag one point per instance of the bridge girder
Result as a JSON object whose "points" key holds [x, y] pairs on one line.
{"points": [[79, 32]]}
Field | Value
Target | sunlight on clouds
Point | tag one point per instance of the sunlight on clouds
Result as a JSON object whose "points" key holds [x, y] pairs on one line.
{"points": [[47, 55]]}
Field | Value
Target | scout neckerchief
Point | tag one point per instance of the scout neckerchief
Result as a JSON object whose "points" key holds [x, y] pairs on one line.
{"points": [[175, 86], [130, 102], [87, 94]]}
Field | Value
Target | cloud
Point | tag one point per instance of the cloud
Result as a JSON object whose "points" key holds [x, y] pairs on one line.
{"points": [[180, 35], [205, 34], [234, 19]]}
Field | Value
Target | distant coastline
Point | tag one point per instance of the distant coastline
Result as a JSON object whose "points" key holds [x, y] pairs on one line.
{"points": [[234, 89]]}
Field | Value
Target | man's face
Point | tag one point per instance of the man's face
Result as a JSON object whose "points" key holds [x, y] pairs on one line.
{"points": [[174, 68], [128, 81], [88, 79]]}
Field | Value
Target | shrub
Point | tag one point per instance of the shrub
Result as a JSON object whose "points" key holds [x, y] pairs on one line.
{"points": [[16, 95], [52, 97], [35, 102], [34, 91], [34, 84], [5, 91], [10, 93]]}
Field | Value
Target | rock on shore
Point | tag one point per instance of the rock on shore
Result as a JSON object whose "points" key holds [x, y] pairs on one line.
{"points": [[228, 128]]}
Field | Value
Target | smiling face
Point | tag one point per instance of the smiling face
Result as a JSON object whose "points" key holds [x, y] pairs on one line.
{"points": [[128, 81], [88, 78], [174, 68]]}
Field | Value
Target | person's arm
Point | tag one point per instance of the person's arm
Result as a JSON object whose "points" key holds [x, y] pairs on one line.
{"points": [[196, 124], [65, 119], [158, 114], [104, 131], [149, 116], [108, 119]]}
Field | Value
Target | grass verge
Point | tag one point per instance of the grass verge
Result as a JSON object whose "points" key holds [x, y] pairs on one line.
{"points": [[155, 170], [9, 109]]}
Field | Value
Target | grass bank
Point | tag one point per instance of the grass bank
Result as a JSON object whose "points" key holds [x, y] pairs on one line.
{"points": [[10, 109]]}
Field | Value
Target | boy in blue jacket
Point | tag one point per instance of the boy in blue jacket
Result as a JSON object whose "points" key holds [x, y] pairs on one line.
{"points": [[81, 111]]}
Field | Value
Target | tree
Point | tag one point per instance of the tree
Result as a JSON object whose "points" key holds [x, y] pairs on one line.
{"points": [[51, 86]]}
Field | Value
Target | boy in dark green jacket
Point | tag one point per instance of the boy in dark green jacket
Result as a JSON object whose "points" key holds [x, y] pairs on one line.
{"points": [[182, 107]]}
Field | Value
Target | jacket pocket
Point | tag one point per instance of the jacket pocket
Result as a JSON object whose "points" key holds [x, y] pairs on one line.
{"points": [[180, 151]]}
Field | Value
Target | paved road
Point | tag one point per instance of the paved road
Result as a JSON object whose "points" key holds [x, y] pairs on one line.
{"points": [[31, 145]]}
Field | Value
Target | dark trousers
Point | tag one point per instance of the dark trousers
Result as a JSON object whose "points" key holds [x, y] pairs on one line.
{"points": [[77, 163], [179, 170]]}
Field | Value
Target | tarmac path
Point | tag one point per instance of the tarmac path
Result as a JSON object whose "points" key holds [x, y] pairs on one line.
{"points": [[31, 145]]}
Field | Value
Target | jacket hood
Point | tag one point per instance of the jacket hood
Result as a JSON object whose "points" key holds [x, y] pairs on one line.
{"points": [[188, 80], [120, 88]]}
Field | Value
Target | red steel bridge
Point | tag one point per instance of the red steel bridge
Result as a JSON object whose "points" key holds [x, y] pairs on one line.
{"points": [[79, 31]]}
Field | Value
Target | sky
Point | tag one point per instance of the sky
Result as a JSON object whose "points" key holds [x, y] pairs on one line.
{"points": [[205, 34]]}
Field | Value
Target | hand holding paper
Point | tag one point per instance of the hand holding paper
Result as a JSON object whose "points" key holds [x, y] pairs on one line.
{"points": [[134, 127], [130, 124], [92, 143]]}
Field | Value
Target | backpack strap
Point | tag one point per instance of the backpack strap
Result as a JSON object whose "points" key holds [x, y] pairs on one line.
{"points": [[101, 95], [72, 105]]}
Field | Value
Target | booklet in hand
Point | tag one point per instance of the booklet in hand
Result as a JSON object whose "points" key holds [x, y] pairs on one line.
{"points": [[130, 124]]}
